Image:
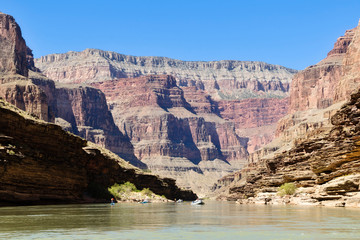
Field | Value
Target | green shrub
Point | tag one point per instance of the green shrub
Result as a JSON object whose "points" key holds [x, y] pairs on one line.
{"points": [[10, 152], [287, 189], [124, 188], [147, 192]]}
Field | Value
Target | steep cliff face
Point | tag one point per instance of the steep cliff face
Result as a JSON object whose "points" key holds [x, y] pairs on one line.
{"points": [[27, 96], [13, 49], [316, 86], [41, 163], [80, 109], [314, 97], [324, 139], [351, 76], [221, 79]]}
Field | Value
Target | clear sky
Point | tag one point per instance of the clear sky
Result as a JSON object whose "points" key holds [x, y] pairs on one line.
{"points": [[293, 33]]}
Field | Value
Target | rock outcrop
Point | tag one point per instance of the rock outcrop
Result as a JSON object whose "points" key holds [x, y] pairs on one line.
{"points": [[316, 86], [204, 83], [41, 163]]}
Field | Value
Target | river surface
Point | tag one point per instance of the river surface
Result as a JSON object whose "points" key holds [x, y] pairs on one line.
{"points": [[214, 220]]}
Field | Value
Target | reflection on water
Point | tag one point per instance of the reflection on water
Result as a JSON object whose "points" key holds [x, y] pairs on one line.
{"points": [[214, 220]]}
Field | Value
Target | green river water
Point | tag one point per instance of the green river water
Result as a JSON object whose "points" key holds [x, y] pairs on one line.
{"points": [[214, 220]]}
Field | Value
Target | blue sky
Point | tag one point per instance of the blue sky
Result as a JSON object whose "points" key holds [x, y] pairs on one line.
{"points": [[293, 33]]}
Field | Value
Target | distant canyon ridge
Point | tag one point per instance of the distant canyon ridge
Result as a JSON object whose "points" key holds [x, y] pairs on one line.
{"points": [[194, 121]]}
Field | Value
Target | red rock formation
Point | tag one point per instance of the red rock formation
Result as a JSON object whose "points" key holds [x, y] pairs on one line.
{"points": [[155, 132], [221, 79], [13, 57], [316, 86], [350, 80], [315, 94], [256, 112], [80, 109], [26, 96]]}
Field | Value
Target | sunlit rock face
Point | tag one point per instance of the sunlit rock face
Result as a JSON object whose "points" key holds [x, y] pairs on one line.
{"points": [[316, 93], [80, 109], [181, 117], [221, 79], [317, 144]]}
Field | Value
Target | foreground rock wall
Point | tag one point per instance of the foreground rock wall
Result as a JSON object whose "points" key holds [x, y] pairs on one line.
{"points": [[41, 163]]}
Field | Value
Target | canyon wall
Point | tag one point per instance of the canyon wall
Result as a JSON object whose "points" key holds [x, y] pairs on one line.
{"points": [[198, 117], [80, 109], [13, 49], [169, 135], [317, 144], [221, 79], [314, 97]]}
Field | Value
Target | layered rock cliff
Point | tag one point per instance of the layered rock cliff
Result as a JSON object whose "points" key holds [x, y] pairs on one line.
{"points": [[314, 98], [324, 168], [205, 111], [202, 82], [221, 79], [170, 135], [41, 163], [319, 142], [80, 109], [13, 49]]}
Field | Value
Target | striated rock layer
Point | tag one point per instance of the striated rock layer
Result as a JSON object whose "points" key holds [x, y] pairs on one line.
{"points": [[221, 79], [324, 139], [80, 109], [214, 80], [315, 97], [170, 135], [180, 123], [41, 163], [13, 49], [314, 165]]}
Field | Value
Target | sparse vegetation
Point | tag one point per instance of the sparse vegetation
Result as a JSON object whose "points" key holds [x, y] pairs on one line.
{"points": [[10, 152], [147, 192], [128, 192], [287, 189]]}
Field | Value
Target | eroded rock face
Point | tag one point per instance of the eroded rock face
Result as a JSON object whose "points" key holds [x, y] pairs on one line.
{"points": [[80, 109], [351, 76], [13, 55], [316, 94], [41, 163], [169, 134], [325, 142], [311, 163], [316, 86], [221, 79]]}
